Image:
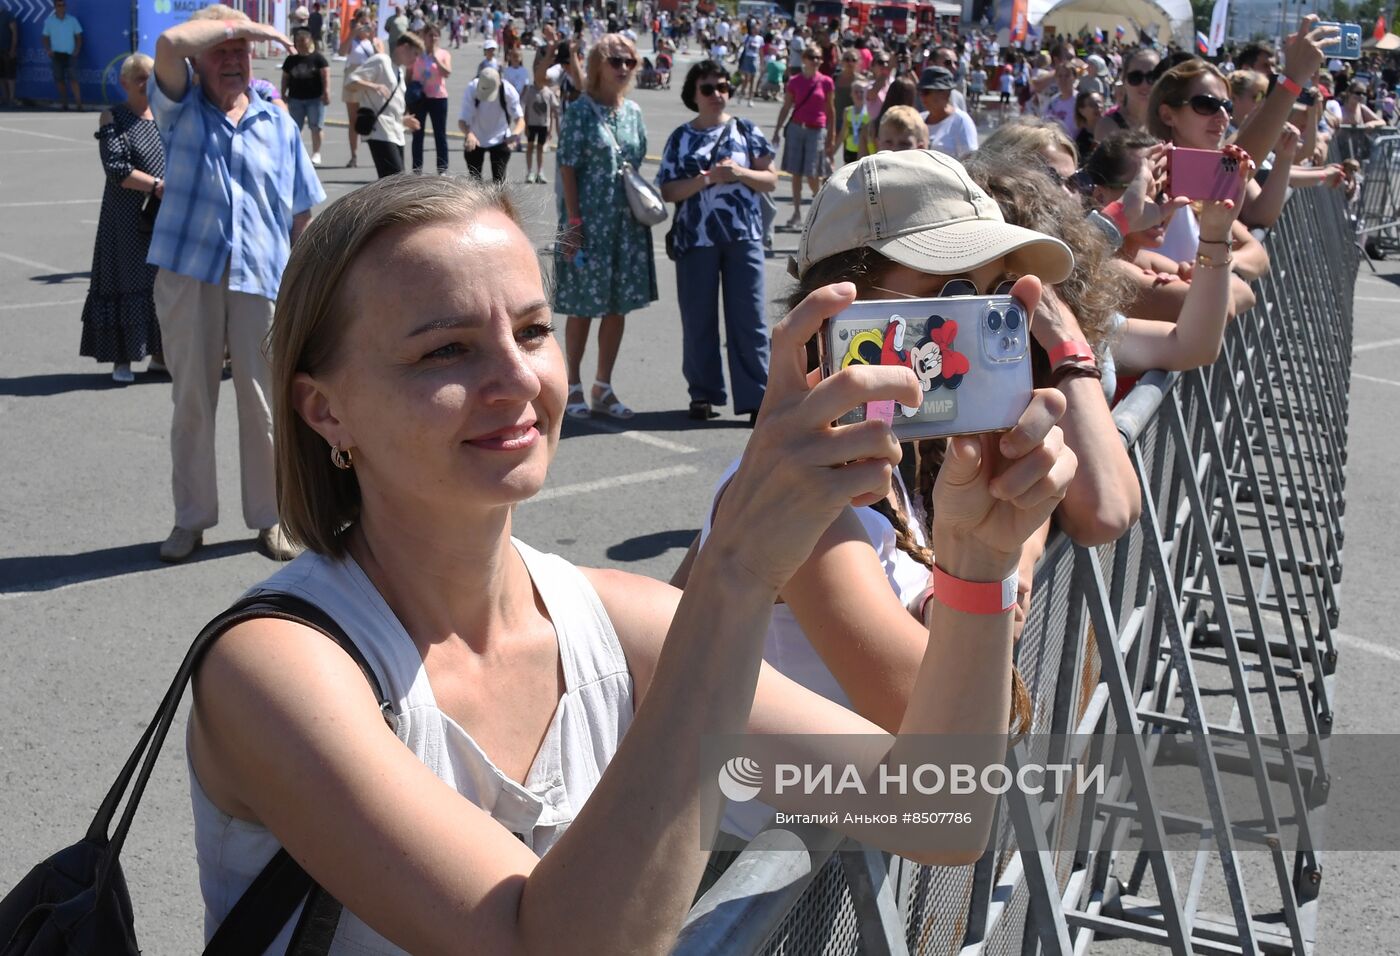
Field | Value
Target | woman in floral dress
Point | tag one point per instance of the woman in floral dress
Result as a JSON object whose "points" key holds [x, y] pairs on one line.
{"points": [[603, 267]]}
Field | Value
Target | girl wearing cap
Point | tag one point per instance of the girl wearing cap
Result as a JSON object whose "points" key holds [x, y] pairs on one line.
{"points": [[603, 265], [714, 168], [543, 780], [848, 624]]}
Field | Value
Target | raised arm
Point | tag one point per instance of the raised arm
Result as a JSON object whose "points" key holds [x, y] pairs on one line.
{"points": [[191, 38], [310, 758], [1302, 57]]}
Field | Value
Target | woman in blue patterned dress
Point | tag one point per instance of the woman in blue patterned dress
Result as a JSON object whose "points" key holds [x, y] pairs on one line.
{"points": [[603, 266], [714, 168], [119, 316]]}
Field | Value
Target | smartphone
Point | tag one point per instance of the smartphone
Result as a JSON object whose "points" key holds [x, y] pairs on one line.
{"points": [[1205, 174], [971, 355], [1347, 46]]}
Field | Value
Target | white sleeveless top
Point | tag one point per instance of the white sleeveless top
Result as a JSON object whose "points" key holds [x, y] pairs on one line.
{"points": [[593, 713], [787, 650], [1182, 238]]}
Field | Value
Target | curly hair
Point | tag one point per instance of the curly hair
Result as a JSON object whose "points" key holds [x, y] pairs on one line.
{"points": [[1028, 197]]}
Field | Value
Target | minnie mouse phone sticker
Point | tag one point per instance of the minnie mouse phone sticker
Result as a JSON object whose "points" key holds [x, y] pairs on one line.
{"points": [[971, 355]]}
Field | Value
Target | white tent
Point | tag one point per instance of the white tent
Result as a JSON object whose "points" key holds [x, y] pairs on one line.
{"points": [[1164, 19]]}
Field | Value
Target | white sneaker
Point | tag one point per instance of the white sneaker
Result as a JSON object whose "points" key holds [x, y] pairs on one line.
{"points": [[315, 159], [122, 373]]}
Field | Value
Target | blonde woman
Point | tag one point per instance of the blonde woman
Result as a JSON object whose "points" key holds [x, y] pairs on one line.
{"points": [[358, 47], [541, 790], [603, 267]]}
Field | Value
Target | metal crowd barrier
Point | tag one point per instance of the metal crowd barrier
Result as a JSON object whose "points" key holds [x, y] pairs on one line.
{"points": [[1378, 151], [1201, 638]]}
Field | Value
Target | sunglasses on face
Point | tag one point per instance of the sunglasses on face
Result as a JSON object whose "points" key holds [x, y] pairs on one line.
{"points": [[1203, 104], [622, 62], [710, 89], [962, 286], [1139, 77], [810, 56]]}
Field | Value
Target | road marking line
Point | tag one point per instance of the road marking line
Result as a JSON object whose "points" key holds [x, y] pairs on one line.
{"points": [[1370, 647], [49, 202], [617, 481], [27, 132], [39, 305], [1372, 346], [1372, 378], [32, 264], [646, 438]]}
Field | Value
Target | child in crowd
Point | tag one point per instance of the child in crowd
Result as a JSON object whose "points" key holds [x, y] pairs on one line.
{"points": [[853, 120], [902, 128]]}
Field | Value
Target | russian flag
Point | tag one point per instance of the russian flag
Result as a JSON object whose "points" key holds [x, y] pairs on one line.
{"points": [[1119, 31], [1202, 43], [1099, 35]]}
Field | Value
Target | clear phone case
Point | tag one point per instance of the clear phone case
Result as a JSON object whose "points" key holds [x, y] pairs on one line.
{"points": [[970, 353]]}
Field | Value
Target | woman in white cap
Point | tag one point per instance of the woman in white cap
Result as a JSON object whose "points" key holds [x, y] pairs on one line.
{"points": [[850, 621], [543, 788]]}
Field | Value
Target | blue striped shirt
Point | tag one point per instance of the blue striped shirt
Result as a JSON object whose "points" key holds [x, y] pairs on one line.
{"points": [[230, 191]]}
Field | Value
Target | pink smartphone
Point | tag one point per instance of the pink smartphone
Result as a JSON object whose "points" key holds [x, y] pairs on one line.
{"points": [[1205, 174]]}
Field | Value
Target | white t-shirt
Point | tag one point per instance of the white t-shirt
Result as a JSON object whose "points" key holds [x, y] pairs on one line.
{"points": [[956, 135], [487, 121], [380, 69], [1061, 109], [517, 76]]}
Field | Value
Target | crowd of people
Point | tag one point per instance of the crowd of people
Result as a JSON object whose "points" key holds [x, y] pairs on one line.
{"points": [[842, 582]]}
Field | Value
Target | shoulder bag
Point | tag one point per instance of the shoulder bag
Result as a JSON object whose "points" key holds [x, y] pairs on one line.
{"points": [[76, 903], [643, 198], [366, 119]]}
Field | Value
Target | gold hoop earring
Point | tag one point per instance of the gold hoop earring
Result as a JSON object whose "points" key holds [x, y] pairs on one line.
{"points": [[342, 459]]}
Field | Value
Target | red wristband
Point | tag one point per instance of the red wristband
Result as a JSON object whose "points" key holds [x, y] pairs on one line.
{"points": [[974, 597], [1071, 352], [1290, 85], [1114, 211]]}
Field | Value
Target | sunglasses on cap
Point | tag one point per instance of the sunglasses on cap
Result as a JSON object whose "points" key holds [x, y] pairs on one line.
{"points": [[1139, 77], [622, 62], [710, 89], [1203, 104]]}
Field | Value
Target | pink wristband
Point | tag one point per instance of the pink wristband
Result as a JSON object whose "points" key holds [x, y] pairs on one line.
{"points": [[1114, 211], [973, 597], [1070, 351]]}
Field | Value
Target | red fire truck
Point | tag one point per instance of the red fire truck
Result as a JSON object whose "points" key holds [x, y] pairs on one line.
{"points": [[895, 16]]}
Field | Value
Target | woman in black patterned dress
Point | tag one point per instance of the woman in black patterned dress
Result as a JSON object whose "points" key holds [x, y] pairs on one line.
{"points": [[119, 317]]}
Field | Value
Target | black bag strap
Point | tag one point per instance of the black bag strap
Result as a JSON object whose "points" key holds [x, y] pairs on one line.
{"points": [[282, 884], [398, 78]]}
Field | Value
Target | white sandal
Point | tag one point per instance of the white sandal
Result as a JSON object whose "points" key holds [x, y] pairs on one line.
{"points": [[577, 407], [614, 408]]}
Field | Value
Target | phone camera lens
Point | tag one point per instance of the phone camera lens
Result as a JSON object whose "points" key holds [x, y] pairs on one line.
{"points": [[994, 320], [1013, 318]]}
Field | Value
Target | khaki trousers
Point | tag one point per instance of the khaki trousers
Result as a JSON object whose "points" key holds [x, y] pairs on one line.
{"points": [[197, 321]]}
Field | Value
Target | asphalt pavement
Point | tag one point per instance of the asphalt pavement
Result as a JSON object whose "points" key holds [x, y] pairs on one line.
{"points": [[92, 626]]}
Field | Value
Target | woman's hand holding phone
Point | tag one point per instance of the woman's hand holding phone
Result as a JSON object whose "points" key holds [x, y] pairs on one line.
{"points": [[1217, 216], [799, 470], [995, 490]]}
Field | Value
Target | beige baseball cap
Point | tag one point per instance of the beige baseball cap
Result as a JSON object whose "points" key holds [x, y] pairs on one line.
{"points": [[920, 208]]}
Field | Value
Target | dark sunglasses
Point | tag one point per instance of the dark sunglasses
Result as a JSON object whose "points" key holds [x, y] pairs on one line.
{"points": [[622, 62], [710, 89], [810, 56], [1139, 77], [1203, 104], [968, 287]]}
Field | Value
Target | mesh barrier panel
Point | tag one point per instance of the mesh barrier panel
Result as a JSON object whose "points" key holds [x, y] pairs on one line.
{"points": [[823, 923], [936, 908]]}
